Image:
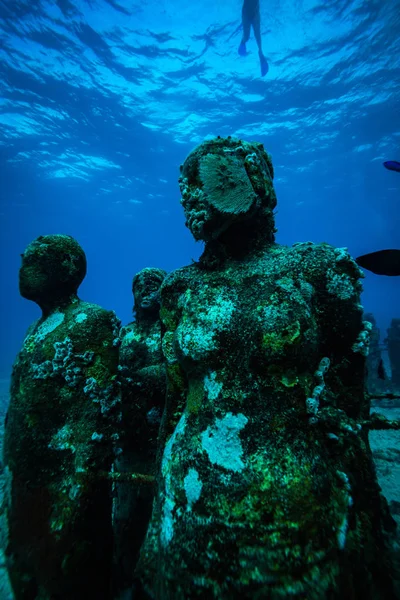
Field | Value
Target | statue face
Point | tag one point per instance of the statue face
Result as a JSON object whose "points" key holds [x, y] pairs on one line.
{"points": [[33, 274], [146, 292], [53, 267], [226, 181], [198, 216], [203, 220]]}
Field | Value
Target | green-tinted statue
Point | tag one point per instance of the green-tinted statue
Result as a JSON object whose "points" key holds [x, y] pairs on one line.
{"points": [[266, 487], [143, 380], [60, 432]]}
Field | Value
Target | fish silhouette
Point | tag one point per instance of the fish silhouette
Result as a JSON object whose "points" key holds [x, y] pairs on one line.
{"points": [[392, 165], [382, 262]]}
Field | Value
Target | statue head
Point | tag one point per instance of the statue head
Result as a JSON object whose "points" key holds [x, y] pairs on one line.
{"points": [[145, 288], [52, 269], [225, 182]]}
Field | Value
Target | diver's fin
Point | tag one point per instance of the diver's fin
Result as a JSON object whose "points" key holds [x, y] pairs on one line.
{"points": [[263, 64], [242, 49]]}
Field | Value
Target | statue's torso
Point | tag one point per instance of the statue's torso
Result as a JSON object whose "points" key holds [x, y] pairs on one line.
{"points": [[247, 484]]}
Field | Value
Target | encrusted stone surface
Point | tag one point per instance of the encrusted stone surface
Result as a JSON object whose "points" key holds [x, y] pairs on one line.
{"points": [[143, 385], [266, 486], [63, 412]]}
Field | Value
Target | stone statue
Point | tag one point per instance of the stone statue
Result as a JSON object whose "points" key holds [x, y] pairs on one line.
{"points": [[393, 345], [266, 486], [376, 378], [60, 433], [143, 389]]}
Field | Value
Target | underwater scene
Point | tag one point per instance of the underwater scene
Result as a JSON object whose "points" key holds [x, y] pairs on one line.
{"points": [[200, 316]]}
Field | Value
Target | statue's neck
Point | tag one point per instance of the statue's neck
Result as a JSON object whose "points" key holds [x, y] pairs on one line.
{"points": [[146, 318], [49, 306], [240, 241]]}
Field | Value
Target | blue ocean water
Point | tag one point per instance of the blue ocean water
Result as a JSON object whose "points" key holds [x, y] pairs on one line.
{"points": [[101, 100]]}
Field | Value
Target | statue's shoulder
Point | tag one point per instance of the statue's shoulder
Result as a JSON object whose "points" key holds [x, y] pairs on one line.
{"points": [[323, 259], [180, 280], [92, 322]]}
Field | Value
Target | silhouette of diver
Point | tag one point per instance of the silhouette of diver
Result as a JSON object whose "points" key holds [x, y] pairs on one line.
{"points": [[251, 17]]}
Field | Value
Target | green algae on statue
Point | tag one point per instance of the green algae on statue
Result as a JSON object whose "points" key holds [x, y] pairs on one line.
{"points": [[60, 431], [266, 486], [142, 375]]}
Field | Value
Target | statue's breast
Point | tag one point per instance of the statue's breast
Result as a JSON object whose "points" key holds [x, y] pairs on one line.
{"points": [[208, 322], [140, 348], [264, 316], [287, 319]]}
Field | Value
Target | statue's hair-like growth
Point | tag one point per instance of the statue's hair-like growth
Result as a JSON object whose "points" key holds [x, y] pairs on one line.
{"points": [[148, 273], [226, 183]]}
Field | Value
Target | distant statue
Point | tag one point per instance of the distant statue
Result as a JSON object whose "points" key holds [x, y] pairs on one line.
{"points": [[143, 381], [266, 485], [393, 345], [251, 19], [60, 432], [377, 379]]}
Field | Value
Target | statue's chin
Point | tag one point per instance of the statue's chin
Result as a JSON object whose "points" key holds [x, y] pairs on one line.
{"points": [[149, 303]]}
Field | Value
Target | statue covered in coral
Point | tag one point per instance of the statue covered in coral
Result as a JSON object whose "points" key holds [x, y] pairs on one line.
{"points": [[266, 487], [60, 433], [143, 379]]}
